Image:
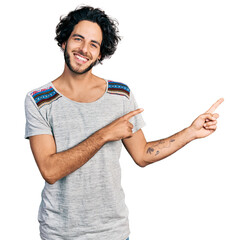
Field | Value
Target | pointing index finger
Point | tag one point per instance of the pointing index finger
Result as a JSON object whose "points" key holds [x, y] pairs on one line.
{"points": [[133, 113], [215, 105]]}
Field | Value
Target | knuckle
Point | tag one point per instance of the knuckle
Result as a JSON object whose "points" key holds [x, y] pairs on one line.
{"points": [[123, 117], [127, 122]]}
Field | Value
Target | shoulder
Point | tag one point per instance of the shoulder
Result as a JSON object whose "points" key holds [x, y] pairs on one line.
{"points": [[118, 88], [44, 95]]}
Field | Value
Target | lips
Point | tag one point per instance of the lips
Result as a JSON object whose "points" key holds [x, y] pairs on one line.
{"points": [[80, 58]]}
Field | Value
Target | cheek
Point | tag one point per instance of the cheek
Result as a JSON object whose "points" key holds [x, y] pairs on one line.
{"points": [[97, 53], [71, 45]]}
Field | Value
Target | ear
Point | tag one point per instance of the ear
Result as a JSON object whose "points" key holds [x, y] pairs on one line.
{"points": [[99, 57], [63, 45]]}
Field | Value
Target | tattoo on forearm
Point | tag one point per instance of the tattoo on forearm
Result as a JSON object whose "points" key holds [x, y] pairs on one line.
{"points": [[161, 144], [150, 150]]}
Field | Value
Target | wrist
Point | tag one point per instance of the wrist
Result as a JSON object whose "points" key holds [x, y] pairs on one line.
{"points": [[190, 133], [103, 135]]}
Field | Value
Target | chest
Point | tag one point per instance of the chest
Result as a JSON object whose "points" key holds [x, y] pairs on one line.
{"points": [[71, 124]]}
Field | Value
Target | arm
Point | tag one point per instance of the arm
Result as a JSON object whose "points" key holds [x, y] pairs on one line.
{"points": [[54, 166], [145, 153]]}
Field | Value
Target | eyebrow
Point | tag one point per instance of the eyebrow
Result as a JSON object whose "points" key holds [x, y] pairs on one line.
{"points": [[78, 35]]}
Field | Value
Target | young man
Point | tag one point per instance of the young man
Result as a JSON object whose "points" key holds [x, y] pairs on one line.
{"points": [[76, 126]]}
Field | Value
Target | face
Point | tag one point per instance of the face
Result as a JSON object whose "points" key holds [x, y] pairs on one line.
{"points": [[82, 49]]}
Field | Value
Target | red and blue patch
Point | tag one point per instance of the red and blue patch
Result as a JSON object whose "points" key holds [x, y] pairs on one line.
{"points": [[45, 96], [118, 89]]}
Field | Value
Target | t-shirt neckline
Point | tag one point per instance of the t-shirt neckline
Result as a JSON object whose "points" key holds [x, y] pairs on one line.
{"points": [[83, 103]]}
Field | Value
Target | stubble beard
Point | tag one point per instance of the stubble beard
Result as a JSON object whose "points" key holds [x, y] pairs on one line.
{"points": [[68, 63]]}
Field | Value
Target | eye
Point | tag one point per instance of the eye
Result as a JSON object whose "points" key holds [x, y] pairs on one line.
{"points": [[93, 45], [77, 39]]}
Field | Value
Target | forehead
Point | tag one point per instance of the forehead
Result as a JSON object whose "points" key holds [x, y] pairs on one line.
{"points": [[89, 30]]}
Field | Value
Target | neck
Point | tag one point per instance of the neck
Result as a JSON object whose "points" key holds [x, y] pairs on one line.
{"points": [[73, 80]]}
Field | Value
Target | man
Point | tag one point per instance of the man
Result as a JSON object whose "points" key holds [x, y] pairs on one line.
{"points": [[76, 126]]}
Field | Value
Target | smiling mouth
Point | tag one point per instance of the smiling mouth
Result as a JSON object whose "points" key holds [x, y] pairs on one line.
{"points": [[81, 58]]}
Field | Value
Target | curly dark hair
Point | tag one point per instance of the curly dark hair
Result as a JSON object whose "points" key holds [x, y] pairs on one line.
{"points": [[108, 26]]}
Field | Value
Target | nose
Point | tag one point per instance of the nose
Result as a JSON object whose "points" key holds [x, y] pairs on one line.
{"points": [[84, 47]]}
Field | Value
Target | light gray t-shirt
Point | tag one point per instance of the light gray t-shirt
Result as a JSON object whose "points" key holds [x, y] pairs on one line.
{"points": [[89, 203]]}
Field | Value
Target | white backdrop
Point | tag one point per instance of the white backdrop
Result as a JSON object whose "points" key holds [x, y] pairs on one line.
{"points": [[178, 57]]}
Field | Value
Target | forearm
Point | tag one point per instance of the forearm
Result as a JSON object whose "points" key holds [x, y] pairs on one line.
{"points": [[55, 166], [145, 153], [63, 163], [158, 150]]}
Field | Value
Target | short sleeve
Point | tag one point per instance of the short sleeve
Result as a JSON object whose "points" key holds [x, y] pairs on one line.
{"points": [[137, 120], [35, 122]]}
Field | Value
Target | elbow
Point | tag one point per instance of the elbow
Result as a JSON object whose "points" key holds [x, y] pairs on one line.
{"points": [[49, 171], [142, 163], [50, 181], [49, 177]]}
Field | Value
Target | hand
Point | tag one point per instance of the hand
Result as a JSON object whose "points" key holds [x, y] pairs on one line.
{"points": [[120, 128], [206, 123]]}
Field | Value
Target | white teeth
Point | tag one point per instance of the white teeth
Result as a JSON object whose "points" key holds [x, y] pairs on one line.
{"points": [[81, 58]]}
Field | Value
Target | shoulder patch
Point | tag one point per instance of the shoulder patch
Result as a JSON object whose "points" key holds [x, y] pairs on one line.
{"points": [[45, 96], [118, 89]]}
